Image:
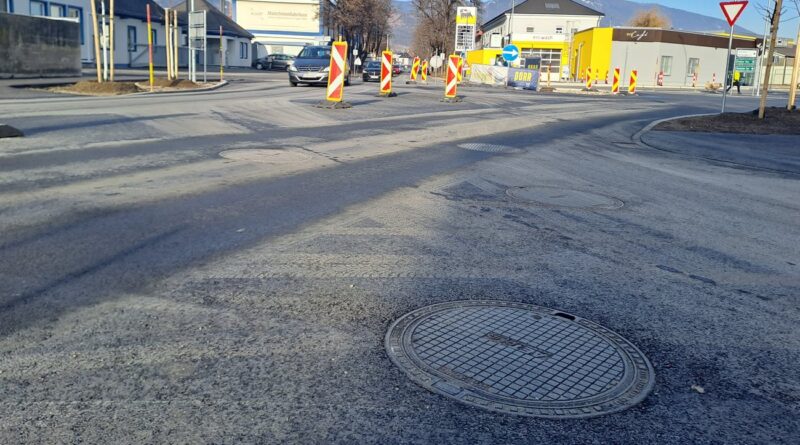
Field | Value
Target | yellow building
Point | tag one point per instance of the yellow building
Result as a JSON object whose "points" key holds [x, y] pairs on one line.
{"points": [[539, 28]]}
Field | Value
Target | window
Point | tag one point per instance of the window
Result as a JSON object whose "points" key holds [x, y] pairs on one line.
{"points": [[559, 30], [155, 37], [7, 6], [529, 29], [242, 50], [550, 57], [132, 39], [75, 12], [666, 65], [38, 8], [57, 10], [693, 66], [552, 6]]}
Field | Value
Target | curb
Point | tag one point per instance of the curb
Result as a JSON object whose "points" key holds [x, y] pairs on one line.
{"points": [[637, 137], [188, 90]]}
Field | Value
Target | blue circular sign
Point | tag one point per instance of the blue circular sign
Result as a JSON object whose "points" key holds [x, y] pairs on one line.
{"points": [[510, 53]]}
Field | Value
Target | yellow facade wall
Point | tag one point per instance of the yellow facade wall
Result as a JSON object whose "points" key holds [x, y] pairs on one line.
{"points": [[594, 47], [487, 56]]}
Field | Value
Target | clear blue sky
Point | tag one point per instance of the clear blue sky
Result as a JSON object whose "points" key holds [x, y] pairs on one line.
{"points": [[751, 17]]}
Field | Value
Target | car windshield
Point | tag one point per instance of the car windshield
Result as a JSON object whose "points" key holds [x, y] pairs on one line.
{"points": [[373, 65], [315, 52]]}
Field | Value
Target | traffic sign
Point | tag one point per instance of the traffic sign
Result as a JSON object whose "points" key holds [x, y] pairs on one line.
{"points": [[732, 10], [510, 53], [436, 62]]}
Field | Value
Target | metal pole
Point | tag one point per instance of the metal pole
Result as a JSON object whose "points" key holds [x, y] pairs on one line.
{"points": [[221, 53], [727, 67], [760, 60], [104, 43], [111, 37], [192, 67], [168, 41], [511, 23], [150, 46], [205, 46]]}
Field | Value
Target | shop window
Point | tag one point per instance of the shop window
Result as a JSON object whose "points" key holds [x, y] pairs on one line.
{"points": [[38, 8], [666, 65], [693, 66], [529, 29], [242, 50]]}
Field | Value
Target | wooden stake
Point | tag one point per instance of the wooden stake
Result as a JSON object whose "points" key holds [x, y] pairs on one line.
{"points": [[221, 62], [96, 41], [168, 41], [776, 18], [150, 46], [176, 48], [795, 68]]}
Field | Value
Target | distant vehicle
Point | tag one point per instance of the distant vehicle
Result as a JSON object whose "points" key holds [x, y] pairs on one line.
{"points": [[311, 67], [279, 62], [372, 71], [396, 70]]}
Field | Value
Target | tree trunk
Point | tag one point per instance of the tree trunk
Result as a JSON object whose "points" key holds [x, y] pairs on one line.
{"points": [[773, 37], [96, 41]]}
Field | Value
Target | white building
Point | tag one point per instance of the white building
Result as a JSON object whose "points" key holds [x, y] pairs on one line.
{"points": [[282, 26], [235, 40]]}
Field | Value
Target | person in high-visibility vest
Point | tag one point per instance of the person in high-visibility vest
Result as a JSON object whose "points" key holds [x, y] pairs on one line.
{"points": [[737, 77]]}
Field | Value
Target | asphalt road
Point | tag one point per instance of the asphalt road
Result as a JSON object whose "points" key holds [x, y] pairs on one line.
{"points": [[156, 292]]}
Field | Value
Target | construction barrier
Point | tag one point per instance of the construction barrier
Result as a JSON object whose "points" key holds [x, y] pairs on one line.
{"points": [[694, 79], [588, 78], [386, 73], [661, 79], [424, 70], [488, 74], [632, 85], [615, 82], [460, 67], [335, 91], [414, 69], [451, 81]]}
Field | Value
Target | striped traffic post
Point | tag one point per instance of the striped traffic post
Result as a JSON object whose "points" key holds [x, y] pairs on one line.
{"points": [[386, 74], [424, 71], [615, 82], [451, 80], [334, 93], [414, 70], [632, 85], [459, 73], [588, 78]]}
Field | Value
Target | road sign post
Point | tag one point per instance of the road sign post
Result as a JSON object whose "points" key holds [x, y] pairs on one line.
{"points": [[510, 53], [732, 11]]}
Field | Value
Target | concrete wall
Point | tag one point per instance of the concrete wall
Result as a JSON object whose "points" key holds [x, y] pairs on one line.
{"points": [[646, 57], [79, 8], [39, 47]]}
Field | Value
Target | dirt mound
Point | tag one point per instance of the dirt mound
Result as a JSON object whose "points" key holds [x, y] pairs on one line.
{"points": [[175, 83], [777, 121], [105, 88]]}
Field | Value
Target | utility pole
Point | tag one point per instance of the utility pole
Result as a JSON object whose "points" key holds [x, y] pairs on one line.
{"points": [[776, 19], [96, 40]]}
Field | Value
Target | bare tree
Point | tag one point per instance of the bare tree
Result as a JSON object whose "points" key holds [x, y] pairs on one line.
{"points": [[652, 18], [436, 25], [364, 24]]}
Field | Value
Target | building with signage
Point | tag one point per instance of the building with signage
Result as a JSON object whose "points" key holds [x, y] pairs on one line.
{"points": [[540, 28], [675, 55], [282, 26]]}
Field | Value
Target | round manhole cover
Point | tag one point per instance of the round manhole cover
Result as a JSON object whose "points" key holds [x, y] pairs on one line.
{"points": [[264, 155], [562, 197], [520, 359], [489, 148]]}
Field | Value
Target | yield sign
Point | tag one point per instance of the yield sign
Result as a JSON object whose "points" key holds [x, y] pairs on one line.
{"points": [[732, 10]]}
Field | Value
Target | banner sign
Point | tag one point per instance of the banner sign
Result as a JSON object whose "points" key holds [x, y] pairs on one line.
{"points": [[523, 78], [488, 74]]}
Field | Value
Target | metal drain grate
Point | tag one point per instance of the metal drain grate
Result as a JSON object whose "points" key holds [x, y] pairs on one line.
{"points": [[520, 359]]}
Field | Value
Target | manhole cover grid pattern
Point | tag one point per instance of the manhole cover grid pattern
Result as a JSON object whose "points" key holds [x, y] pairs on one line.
{"points": [[489, 148], [494, 348], [519, 358]]}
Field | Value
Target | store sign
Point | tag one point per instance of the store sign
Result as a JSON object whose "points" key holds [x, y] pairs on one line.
{"points": [[466, 24]]}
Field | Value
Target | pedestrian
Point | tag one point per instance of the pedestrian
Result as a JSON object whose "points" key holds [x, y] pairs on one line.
{"points": [[737, 77]]}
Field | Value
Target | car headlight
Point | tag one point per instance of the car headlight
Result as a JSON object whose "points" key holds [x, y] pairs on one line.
{"points": [[325, 70], [292, 68]]}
